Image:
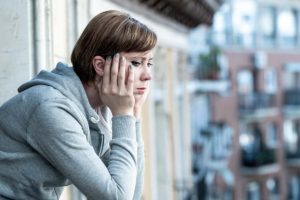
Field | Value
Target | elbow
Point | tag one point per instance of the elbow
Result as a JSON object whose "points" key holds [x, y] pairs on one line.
{"points": [[115, 193], [124, 195]]}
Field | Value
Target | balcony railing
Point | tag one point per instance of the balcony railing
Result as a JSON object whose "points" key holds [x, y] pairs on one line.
{"points": [[292, 155], [292, 97], [255, 101], [258, 158]]}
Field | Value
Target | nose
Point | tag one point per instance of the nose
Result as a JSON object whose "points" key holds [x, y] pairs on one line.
{"points": [[146, 74]]}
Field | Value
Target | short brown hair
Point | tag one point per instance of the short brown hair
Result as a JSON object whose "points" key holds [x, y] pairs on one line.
{"points": [[108, 33]]}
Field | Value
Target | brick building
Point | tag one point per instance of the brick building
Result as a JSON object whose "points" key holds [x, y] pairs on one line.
{"points": [[259, 60]]}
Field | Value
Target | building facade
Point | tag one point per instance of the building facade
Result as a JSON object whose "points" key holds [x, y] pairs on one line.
{"points": [[258, 50]]}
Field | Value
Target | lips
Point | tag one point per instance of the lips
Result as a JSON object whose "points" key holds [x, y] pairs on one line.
{"points": [[140, 90]]}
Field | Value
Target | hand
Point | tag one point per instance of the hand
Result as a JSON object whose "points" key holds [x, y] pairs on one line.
{"points": [[139, 102], [116, 90]]}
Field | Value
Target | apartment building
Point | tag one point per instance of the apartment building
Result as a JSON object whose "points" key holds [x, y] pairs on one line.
{"points": [[258, 50]]}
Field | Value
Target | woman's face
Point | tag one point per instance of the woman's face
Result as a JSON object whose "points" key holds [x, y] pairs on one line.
{"points": [[142, 63]]}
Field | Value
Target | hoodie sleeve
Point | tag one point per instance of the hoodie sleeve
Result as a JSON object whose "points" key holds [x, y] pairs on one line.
{"points": [[138, 192], [56, 132], [140, 163]]}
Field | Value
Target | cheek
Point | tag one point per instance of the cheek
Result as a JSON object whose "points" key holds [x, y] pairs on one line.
{"points": [[136, 75]]}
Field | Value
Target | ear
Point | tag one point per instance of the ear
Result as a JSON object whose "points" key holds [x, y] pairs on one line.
{"points": [[98, 64]]}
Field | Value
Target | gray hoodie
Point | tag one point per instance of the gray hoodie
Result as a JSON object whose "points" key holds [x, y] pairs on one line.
{"points": [[50, 137]]}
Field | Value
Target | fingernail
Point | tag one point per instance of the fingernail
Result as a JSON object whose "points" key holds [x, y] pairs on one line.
{"points": [[108, 58], [116, 55]]}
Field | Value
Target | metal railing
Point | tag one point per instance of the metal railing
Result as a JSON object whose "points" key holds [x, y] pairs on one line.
{"points": [[292, 97], [255, 101], [258, 158]]}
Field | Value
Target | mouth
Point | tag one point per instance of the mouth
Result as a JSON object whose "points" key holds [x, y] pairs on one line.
{"points": [[140, 90]]}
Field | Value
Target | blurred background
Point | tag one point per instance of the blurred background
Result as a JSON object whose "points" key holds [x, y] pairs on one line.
{"points": [[222, 121]]}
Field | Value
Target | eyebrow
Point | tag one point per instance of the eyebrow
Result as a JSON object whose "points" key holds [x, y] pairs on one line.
{"points": [[144, 58]]}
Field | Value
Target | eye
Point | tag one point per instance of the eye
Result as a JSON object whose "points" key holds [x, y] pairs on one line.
{"points": [[135, 63], [149, 64]]}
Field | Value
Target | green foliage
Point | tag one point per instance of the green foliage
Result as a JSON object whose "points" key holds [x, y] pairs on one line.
{"points": [[209, 66]]}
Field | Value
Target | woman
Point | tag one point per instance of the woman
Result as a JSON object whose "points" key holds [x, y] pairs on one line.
{"points": [[81, 124]]}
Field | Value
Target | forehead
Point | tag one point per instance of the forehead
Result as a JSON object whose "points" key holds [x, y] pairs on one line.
{"points": [[144, 54]]}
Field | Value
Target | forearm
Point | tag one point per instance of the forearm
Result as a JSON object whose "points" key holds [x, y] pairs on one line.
{"points": [[140, 163], [68, 150], [123, 132]]}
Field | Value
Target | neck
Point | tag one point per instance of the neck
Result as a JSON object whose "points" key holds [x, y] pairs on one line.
{"points": [[92, 94]]}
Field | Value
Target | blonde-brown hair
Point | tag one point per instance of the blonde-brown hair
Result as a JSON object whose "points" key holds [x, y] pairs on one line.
{"points": [[108, 33]]}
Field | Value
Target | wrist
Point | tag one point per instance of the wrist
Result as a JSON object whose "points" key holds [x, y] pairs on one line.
{"points": [[139, 135], [122, 112], [137, 113], [123, 126]]}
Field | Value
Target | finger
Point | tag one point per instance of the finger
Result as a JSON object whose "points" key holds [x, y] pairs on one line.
{"points": [[99, 87], [121, 74], [114, 70], [106, 73], [130, 79]]}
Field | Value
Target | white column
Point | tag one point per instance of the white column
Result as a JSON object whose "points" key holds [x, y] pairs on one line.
{"points": [[42, 36]]}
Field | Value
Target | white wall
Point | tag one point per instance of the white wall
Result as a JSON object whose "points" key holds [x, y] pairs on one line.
{"points": [[16, 62]]}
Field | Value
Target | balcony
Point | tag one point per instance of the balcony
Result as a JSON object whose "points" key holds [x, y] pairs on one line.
{"points": [[293, 157], [259, 162], [292, 149], [255, 154], [291, 135], [292, 97], [190, 13], [291, 100], [257, 105], [212, 148], [207, 86], [253, 159]]}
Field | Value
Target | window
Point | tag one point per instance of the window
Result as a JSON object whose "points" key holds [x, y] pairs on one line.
{"points": [[219, 185], [293, 80], [221, 139], [220, 25], [273, 188], [290, 136], [287, 27], [245, 82], [271, 135], [267, 25], [296, 78], [244, 13], [219, 29], [270, 78], [253, 191], [294, 187]]}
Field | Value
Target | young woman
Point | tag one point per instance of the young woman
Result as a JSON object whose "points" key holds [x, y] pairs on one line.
{"points": [[81, 125]]}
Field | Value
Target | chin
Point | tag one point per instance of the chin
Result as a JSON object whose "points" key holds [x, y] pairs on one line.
{"points": [[138, 95]]}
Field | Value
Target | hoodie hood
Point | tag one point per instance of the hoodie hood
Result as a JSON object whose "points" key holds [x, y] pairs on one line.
{"points": [[64, 79]]}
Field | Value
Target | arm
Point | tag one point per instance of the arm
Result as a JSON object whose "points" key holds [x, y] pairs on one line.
{"points": [[58, 137], [138, 192], [140, 163]]}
